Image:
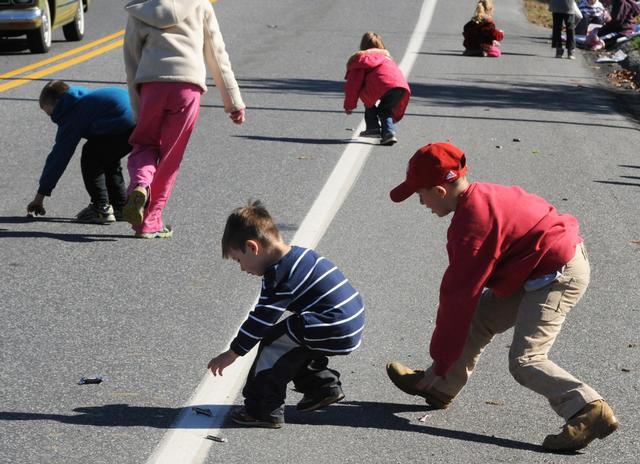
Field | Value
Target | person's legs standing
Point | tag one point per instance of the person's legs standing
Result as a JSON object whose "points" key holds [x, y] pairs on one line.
{"points": [[570, 26], [180, 116], [385, 109], [118, 147], [92, 168], [540, 318], [556, 31], [146, 138]]}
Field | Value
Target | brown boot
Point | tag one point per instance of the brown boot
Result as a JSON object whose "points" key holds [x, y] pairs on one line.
{"points": [[595, 420], [407, 380]]}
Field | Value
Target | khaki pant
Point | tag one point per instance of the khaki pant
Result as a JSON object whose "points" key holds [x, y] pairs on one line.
{"points": [[537, 318]]}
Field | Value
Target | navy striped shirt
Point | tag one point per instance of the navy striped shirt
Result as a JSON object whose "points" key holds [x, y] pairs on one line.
{"points": [[328, 313]]}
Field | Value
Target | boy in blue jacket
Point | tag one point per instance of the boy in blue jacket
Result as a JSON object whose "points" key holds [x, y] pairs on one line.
{"points": [[104, 118]]}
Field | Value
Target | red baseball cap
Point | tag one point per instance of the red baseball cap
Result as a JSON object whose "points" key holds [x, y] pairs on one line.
{"points": [[434, 164]]}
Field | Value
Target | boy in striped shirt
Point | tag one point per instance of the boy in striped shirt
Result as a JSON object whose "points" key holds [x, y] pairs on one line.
{"points": [[327, 319]]}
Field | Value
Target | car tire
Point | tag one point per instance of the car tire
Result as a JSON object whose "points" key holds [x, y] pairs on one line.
{"points": [[39, 40], [74, 31]]}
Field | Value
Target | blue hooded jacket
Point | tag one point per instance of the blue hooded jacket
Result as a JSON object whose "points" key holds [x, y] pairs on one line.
{"points": [[83, 113]]}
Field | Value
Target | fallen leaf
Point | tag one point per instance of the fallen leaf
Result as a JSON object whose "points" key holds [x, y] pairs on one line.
{"points": [[624, 369], [423, 418], [494, 403]]}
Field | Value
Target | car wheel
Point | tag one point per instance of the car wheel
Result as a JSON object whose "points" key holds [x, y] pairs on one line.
{"points": [[74, 31], [39, 40]]}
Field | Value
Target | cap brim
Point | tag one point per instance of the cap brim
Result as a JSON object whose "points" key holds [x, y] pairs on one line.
{"points": [[401, 192]]}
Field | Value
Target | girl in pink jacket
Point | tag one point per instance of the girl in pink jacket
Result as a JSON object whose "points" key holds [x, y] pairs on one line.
{"points": [[374, 77]]}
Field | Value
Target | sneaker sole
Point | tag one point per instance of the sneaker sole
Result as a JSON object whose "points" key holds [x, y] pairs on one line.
{"points": [[133, 211], [151, 236], [388, 143], [256, 423], [325, 402]]}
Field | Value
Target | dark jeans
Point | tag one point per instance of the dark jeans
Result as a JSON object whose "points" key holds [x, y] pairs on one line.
{"points": [[279, 361], [379, 117], [569, 22], [101, 170], [583, 25]]}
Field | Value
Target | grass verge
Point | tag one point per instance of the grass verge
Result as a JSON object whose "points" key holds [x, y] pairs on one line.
{"points": [[538, 12]]}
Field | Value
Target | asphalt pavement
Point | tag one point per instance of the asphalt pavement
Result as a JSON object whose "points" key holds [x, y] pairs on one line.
{"points": [[79, 300]]}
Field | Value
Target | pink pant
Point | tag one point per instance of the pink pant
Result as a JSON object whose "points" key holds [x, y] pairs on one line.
{"points": [[168, 114]]}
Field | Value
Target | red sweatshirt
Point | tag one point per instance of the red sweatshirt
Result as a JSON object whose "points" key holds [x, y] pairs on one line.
{"points": [[499, 237], [477, 36], [370, 74]]}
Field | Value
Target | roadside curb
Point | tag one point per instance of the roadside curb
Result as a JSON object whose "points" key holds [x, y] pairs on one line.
{"points": [[627, 98]]}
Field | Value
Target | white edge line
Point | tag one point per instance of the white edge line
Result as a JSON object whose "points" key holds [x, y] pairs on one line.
{"points": [[185, 442]]}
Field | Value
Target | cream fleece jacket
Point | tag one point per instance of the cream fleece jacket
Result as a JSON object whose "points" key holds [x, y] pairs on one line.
{"points": [[172, 41]]}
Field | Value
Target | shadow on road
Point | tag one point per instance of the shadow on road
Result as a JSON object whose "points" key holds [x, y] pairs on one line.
{"points": [[304, 140], [356, 414], [14, 47], [65, 237], [109, 415], [617, 182], [292, 85]]}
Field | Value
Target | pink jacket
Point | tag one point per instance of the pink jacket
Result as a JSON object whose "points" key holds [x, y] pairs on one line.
{"points": [[370, 74]]}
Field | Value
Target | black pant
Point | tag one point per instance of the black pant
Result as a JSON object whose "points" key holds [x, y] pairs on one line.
{"points": [[101, 170], [556, 32], [583, 25], [279, 361]]}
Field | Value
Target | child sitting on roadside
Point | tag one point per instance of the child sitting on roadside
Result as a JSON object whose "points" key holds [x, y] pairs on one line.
{"points": [[327, 320], [372, 75], [593, 12], [481, 37]]}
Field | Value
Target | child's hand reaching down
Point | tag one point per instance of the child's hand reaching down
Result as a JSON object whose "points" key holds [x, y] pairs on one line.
{"points": [[218, 364]]}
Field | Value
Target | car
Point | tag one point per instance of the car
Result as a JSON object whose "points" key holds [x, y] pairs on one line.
{"points": [[38, 18]]}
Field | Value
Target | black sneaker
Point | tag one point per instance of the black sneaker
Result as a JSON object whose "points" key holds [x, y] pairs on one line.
{"points": [[388, 139], [311, 403], [93, 214], [242, 417], [371, 133]]}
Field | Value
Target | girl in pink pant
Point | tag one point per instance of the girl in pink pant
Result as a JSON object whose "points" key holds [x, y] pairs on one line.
{"points": [[167, 45]]}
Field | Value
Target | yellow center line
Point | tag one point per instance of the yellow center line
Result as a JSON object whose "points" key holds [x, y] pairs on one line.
{"points": [[60, 66], [72, 52]]}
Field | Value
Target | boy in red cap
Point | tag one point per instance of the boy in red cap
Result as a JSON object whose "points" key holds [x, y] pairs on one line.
{"points": [[514, 261]]}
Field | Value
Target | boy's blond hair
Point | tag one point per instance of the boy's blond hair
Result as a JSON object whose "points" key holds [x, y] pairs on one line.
{"points": [[371, 40], [52, 92], [251, 222], [484, 9]]}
